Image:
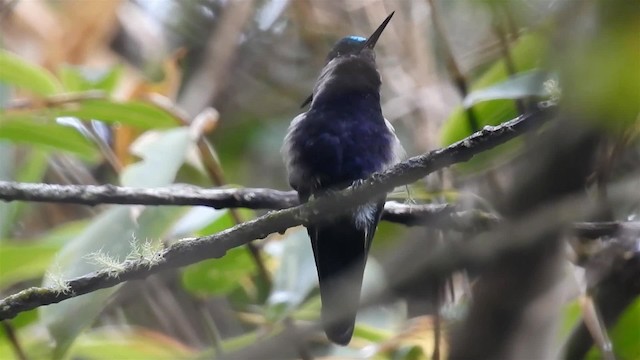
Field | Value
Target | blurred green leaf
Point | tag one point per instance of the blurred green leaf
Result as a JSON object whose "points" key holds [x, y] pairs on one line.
{"points": [[526, 54], [601, 76], [162, 153], [24, 262], [370, 333], [78, 79], [521, 85], [111, 233], [133, 113], [625, 335], [23, 129], [31, 170], [409, 353], [570, 317], [296, 276], [221, 223], [195, 220], [219, 276], [138, 344], [20, 73]]}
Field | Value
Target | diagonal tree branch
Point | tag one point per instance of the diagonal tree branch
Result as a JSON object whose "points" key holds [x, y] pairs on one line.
{"points": [[189, 251]]}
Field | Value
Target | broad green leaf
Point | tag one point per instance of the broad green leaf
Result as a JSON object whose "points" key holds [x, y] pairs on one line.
{"points": [[600, 71], [526, 54], [20, 73], [24, 262], [104, 343], [31, 170], [219, 276], [78, 79], [296, 276], [23, 129], [570, 317], [133, 113], [196, 219], [371, 333], [522, 85], [111, 233], [138, 344], [162, 153], [625, 335]]}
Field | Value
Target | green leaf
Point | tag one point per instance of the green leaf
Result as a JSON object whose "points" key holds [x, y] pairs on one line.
{"points": [[110, 344], [195, 220], [24, 262], [163, 154], [570, 317], [219, 276], [32, 169], [296, 276], [525, 55], [111, 233], [521, 85], [23, 129], [78, 78], [20, 73], [133, 113], [625, 335]]}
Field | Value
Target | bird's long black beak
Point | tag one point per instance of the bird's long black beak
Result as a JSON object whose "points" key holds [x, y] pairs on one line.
{"points": [[371, 41]]}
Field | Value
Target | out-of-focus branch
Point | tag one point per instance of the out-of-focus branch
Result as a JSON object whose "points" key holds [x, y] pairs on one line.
{"points": [[440, 216], [189, 251]]}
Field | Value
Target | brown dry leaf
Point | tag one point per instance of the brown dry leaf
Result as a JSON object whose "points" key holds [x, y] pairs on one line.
{"points": [[140, 88], [86, 27]]}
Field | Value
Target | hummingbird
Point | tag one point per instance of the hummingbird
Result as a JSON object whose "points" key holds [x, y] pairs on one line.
{"points": [[342, 139]]}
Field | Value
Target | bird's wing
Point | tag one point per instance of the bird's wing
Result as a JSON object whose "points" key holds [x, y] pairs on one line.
{"points": [[295, 173], [396, 147]]}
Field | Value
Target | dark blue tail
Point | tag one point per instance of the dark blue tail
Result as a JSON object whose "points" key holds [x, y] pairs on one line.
{"points": [[340, 252]]}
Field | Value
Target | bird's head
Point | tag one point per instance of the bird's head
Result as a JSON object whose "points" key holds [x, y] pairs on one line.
{"points": [[357, 45], [346, 51]]}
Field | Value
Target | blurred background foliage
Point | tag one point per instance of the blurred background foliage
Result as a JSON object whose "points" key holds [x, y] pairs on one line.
{"points": [[149, 93]]}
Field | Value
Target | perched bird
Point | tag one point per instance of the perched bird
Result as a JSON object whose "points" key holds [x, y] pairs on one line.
{"points": [[342, 139]]}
